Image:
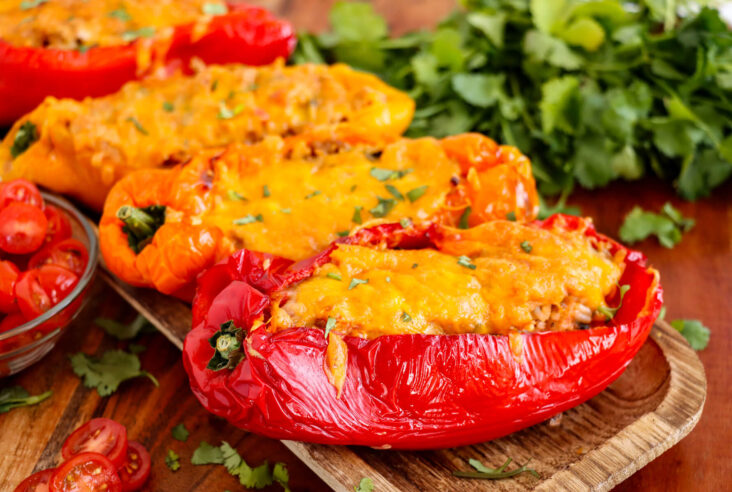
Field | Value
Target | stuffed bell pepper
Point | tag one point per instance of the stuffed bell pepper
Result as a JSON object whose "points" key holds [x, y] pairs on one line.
{"points": [[292, 197], [419, 337], [83, 148], [73, 48]]}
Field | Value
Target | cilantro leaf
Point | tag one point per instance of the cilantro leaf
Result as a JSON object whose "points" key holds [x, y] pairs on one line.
{"points": [[16, 396], [211, 8], [694, 331], [206, 454], [281, 476], [365, 485], [667, 227], [249, 477], [172, 460], [122, 331], [180, 432], [329, 325], [109, 371], [26, 135]]}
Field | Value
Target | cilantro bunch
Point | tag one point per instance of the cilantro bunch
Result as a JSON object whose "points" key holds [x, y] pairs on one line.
{"points": [[591, 90]]}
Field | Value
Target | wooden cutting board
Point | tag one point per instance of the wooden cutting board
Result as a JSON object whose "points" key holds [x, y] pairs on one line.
{"points": [[595, 446]]}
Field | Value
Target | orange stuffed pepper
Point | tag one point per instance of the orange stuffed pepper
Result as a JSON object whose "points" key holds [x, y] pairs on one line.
{"points": [[81, 148], [292, 197]]}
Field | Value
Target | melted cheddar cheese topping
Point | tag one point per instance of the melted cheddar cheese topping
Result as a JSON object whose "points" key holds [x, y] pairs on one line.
{"points": [[294, 207], [86, 146], [77, 24], [517, 277]]}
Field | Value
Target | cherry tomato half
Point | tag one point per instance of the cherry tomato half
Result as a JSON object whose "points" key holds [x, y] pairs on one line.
{"points": [[8, 276], [103, 436], [59, 225], [20, 190], [22, 228], [57, 281], [136, 469], [69, 253], [38, 482], [86, 472], [31, 297]]}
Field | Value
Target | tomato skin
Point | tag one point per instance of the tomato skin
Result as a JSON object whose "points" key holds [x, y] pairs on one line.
{"points": [[87, 472], [8, 276], [136, 470], [22, 191], [59, 225], [31, 297], [38, 482], [68, 253], [56, 281], [100, 435], [22, 228]]}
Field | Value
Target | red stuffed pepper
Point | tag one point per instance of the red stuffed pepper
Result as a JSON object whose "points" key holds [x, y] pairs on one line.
{"points": [[425, 337], [77, 49]]}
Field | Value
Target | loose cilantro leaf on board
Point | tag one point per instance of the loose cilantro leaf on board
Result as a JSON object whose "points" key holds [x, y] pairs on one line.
{"points": [[180, 433], [365, 485], [484, 472], [249, 477], [122, 331], [694, 331], [591, 91], [109, 371], [16, 396], [172, 460], [668, 226], [206, 454]]}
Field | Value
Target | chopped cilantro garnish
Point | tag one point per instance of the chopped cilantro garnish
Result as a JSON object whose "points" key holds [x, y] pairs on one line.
{"points": [[214, 85], [235, 195], [343, 233], [286, 210], [168, 107], [466, 262], [356, 219], [395, 193], [416, 193], [383, 208], [180, 433], [313, 194], [85, 47], [511, 216], [121, 14], [265, 191], [329, 325], [610, 312], [405, 317], [387, 174], [355, 282], [415, 265], [388, 279], [405, 223], [26, 135], [248, 219], [463, 224], [526, 246], [172, 460], [334, 275], [211, 8], [138, 125], [143, 32], [226, 114], [30, 4]]}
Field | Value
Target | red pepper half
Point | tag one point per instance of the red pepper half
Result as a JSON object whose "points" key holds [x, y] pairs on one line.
{"points": [[249, 35], [402, 391]]}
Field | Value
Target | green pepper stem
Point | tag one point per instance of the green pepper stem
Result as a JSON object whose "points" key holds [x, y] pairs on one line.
{"points": [[140, 223]]}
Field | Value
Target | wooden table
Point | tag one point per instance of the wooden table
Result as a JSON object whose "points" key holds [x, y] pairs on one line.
{"points": [[696, 275]]}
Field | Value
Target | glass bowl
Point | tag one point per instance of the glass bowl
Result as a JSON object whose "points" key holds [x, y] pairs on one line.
{"points": [[28, 343]]}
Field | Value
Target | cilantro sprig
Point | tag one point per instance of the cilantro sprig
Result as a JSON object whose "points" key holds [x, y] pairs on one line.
{"points": [[668, 226], [109, 371], [694, 331], [17, 396], [483, 472], [592, 93], [258, 477]]}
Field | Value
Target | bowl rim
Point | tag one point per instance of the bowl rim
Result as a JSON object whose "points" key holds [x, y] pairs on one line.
{"points": [[84, 280]]}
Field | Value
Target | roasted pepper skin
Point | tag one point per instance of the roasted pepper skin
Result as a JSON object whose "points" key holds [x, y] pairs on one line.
{"points": [[182, 188], [248, 35], [401, 391]]}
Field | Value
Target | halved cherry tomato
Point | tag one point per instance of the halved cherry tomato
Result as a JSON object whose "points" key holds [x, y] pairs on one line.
{"points": [[100, 435], [20, 190], [59, 225], [38, 482], [8, 276], [86, 472], [69, 253], [136, 469], [32, 298], [22, 228], [57, 281]]}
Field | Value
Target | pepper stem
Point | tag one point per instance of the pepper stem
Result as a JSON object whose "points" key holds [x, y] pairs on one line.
{"points": [[227, 342], [140, 224]]}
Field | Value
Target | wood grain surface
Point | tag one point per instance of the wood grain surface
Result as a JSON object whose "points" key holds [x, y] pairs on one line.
{"points": [[696, 275]]}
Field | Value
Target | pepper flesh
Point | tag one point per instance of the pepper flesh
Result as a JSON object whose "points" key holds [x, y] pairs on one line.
{"points": [[402, 391], [249, 35], [315, 190], [83, 148]]}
